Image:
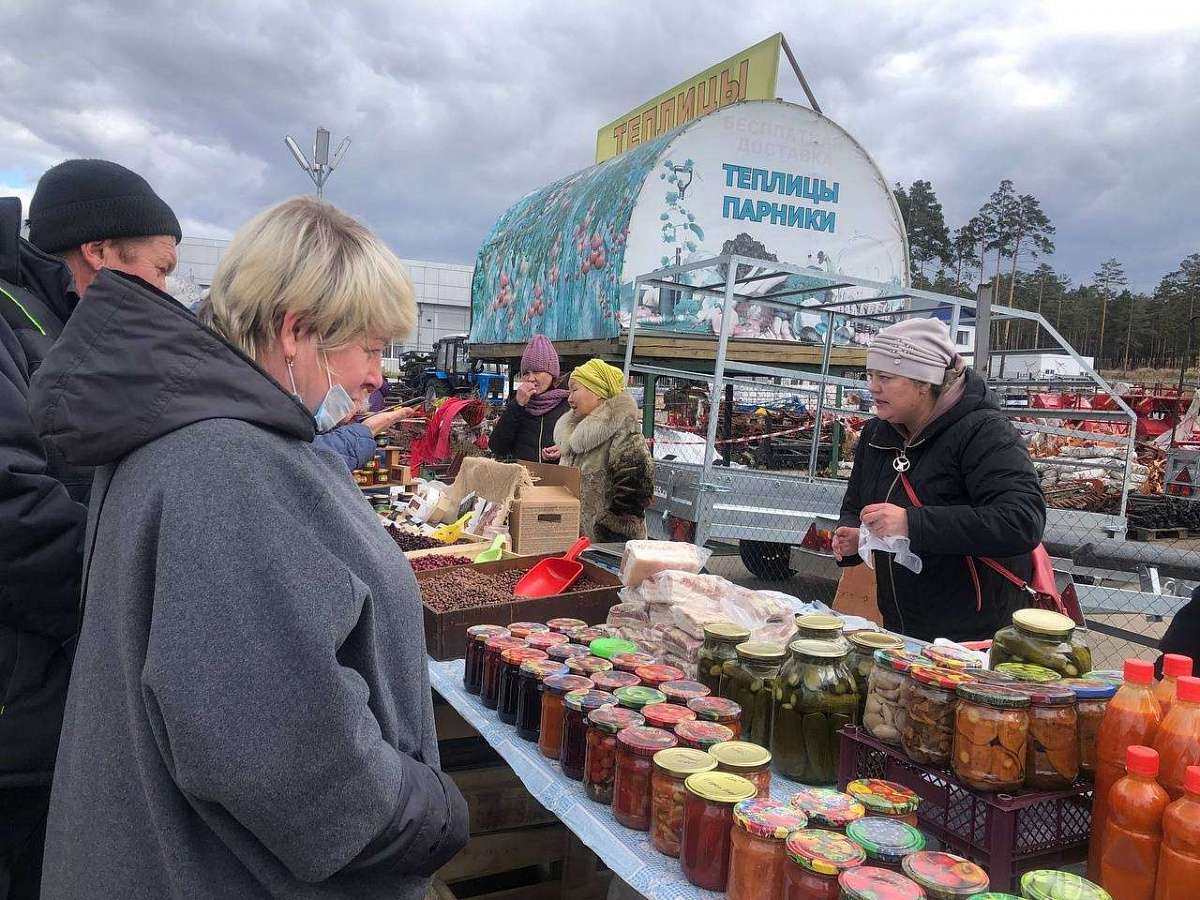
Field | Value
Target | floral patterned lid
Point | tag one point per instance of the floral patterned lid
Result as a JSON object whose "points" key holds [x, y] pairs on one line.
{"points": [[563, 625], [885, 797], [562, 684], [666, 715], [524, 629], [826, 806], [766, 818], [482, 632], [886, 840], [631, 662], [645, 740], [499, 643], [586, 635], [936, 676], [515, 656], [714, 709], [566, 651], [657, 674], [544, 640], [897, 660], [874, 883], [684, 691], [1046, 884], [612, 681], [638, 695], [588, 665], [945, 873], [607, 648], [703, 735], [586, 701], [951, 657], [1028, 672], [614, 719], [542, 668], [824, 852]]}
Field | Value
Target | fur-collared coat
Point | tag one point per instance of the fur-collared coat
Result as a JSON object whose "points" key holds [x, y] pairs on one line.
{"points": [[617, 469]]}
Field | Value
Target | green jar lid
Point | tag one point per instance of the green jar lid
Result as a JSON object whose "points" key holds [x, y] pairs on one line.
{"points": [[990, 676], [1029, 672], [1047, 884], [607, 647], [874, 883], [826, 807], [945, 874], [639, 695], [886, 841], [994, 895], [997, 696], [823, 852]]}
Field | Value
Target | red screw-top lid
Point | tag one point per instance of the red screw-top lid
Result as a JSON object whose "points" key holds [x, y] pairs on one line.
{"points": [[1138, 671], [666, 715], [1191, 779], [1187, 689], [1176, 664], [1141, 761]]}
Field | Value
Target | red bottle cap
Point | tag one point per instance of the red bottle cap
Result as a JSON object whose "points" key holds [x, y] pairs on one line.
{"points": [[1187, 688], [1176, 664], [1138, 671], [1141, 761], [1191, 780]]}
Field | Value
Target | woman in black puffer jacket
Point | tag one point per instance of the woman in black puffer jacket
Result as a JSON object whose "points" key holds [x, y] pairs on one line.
{"points": [[526, 426], [978, 494]]}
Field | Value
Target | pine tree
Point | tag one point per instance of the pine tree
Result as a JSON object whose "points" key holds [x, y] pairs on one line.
{"points": [[1108, 279]]}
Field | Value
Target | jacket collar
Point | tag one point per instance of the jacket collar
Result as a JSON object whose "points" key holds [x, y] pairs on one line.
{"points": [[581, 435], [975, 395]]}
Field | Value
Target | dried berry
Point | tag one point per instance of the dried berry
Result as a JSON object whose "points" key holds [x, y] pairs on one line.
{"points": [[428, 563]]}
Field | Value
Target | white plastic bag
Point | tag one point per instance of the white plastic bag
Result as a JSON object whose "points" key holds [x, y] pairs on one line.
{"points": [[868, 541]]}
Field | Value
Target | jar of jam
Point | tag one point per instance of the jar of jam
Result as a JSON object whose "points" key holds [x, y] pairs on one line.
{"points": [[600, 760], [585, 635], [666, 715], [861, 661], [529, 695], [1091, 700], [636, 747], [522, 630], [757, 855], [477, 636], [554, 689], [653, 676], [947, 657], [608, 647], [544, 640], [991, 735], [885, 841], [683, 692], [944, 876], [631, 662], [1029, 672], [750, 761], [827, 808], [587, 666], [671, 769], [564, 625], [720, 710], [814, 699], [886, 799], [577, 705], [720, 639], [815, 860], [613, 681], [874, 883], [929, 699], [749, 681], [702, 735], [818, 627], [709, 798], [639, 696], [563, 652], [489, 687], [883, 715], [1052, 750], [510, 680]]}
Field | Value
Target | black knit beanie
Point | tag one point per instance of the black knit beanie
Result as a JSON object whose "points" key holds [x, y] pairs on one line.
{"points": [[83, 200]]}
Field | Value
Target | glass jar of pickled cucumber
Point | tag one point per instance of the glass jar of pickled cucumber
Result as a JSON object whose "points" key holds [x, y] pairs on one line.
{"points": [[720, 641], [814, 697], [861, 661], [817, 627], [749, 681], [1043, 638]]}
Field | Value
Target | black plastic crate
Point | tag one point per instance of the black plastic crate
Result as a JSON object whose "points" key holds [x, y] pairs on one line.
{"points": [[1006, 834]]}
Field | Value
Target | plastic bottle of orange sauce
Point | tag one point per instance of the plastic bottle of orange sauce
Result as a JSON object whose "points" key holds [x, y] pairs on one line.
{"points": [[1174, 666], [1132, 717], [1133, 830], [1179, 860], [1178, 739]]}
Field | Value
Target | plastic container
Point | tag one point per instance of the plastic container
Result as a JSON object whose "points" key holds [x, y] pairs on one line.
{"points": [[816, 858], [819, 627], [1091, 700], [636, 747], [1028, 672], [1052, 751], [565, 625], [720, 639], [523, 629], [667, 794], [683, 691], [612, 681], [639, 696], [607, 647], [666, 715], [702, 735], [750, 761], [1178, 738], [749, 681], [1042, 638], [578, 705], [827, 808], [944, 876], [489, 686], [563, 652], [1133, 828], [550, 728], [600, 757], [707, 825], [477, 636], [885, 799], [587, 666], [1179, 859], [991, 736], [947, 657], [1174, 666], [1048, 884], [929, 701], [529, 695], [883, 715], [758, 856], [720, 710], [814, 698], [861, 661], [885, 841], [510, 680], [631, 662], [874, 883], [653, 676]]}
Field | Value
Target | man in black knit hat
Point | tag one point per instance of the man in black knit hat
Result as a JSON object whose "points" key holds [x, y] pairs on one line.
{"points": [[86, 214]]}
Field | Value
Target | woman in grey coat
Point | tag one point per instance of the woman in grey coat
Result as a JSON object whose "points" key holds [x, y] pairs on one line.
{"points": [[249, 712]]}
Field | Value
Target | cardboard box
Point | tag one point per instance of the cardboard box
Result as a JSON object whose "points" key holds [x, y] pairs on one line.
{"points": [[545, 518], [400, 474]]}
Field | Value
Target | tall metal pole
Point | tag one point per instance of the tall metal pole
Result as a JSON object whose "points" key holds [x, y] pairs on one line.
{"points": [[714, 403], [983, 328]]}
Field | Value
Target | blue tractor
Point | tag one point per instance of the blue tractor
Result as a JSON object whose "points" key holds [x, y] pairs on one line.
{"points": [[453, 373]]}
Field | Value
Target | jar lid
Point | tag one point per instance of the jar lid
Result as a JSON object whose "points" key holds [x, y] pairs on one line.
{"points": [[629, 662], [1029, 672], [544, 640], [586, 701], [765, 818], [887, 797], [726, 631], [945, 873], [720, 787], [608, 647], [566, 651], [886, 840], [1052, 694], [990, 676], [500, 643], [684, 691], [826, 806], [896, 660], [1047, 884], [644, 740], [998, 696], [824, 852], [614, 680], [638, 695], [994, 895], [1112, 676], [586, 635], [614, 719], [657, 674], [820, 649], [563, 625], [666, 715], [870, 639], [561, 684], [522, 629], [1089, 688], [1044, 621], [740, 755], [936, 676], [684, 761], [713, 709], [514, 656], [874, 883], [818, 622], [543, 668], [950, 657], [706, 734], [588, 665], [761, 650], [482, 632]]}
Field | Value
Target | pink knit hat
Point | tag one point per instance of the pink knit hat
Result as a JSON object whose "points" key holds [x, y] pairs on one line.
{"points": [[540, 356]]}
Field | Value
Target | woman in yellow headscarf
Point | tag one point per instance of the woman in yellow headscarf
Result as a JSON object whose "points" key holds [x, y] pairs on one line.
{"points": [[601, 435]]}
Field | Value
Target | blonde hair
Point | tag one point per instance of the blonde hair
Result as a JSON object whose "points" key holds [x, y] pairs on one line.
{"points": [[306, 257]]}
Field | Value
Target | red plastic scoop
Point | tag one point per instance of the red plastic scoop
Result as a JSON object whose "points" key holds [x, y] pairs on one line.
{"points": [[553, 576]]}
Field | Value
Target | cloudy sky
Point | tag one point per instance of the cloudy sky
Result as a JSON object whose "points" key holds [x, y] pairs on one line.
{"points": [[458, 108]]}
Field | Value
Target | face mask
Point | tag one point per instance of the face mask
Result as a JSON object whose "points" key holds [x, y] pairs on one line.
{"points": [[334, 408]]}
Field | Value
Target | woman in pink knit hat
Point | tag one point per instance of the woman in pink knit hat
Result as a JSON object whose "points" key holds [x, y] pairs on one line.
{"points": [[526, 427]]}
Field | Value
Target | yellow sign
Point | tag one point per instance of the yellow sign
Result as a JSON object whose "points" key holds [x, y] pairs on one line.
{"points": [[749, 75]]}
